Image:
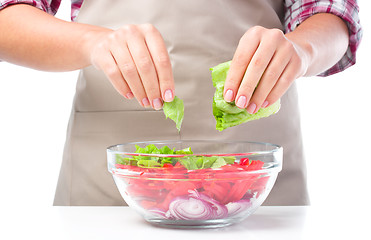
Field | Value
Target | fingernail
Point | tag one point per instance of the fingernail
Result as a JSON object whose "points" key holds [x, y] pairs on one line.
{"points": [[241, 102], [256, 110], [129, 95], [145, 102], [168, 96], [251, 108], [157, 104], [265, 103], [228, 96]]}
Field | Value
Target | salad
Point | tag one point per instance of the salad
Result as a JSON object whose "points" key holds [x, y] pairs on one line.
{"points": [[183, 186]]}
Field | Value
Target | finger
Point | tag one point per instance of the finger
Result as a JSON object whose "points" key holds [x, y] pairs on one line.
{"points": [[146, 69], [109, 67], [254, 72], [161, 60], [125, 63], [241, 59], [268, 80], [284, 82]]}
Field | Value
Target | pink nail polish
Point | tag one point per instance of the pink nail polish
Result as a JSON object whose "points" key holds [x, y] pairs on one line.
{"points": [[228, 96], [265, 104], [168, 96], [251, 108], [256, 110], [241, 102], [145, 102], [129, 95], [157, 104]]}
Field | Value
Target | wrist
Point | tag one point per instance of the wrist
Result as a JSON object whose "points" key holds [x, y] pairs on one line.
{"points": [[305, 50], [91, 36]]}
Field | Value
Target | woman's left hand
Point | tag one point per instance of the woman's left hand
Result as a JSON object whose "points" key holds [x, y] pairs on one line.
{"points": [[264, 66]]}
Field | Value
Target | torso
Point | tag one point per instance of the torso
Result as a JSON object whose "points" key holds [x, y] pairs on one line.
{"points": [[199, 34]]}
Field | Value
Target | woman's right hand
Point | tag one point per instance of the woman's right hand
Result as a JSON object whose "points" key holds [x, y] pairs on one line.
{"points": [[135, 60]]}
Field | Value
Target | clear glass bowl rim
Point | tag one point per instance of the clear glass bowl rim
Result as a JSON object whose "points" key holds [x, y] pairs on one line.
{"points": [[128, 173], [277, 148]]}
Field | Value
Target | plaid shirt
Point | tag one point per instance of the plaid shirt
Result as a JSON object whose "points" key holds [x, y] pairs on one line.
{"points": [[296, 11]]}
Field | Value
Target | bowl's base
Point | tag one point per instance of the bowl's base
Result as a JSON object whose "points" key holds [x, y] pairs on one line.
{"points": [[186, 224]]}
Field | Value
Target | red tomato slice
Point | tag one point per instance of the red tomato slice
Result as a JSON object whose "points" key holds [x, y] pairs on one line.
{"points": [[255, 165], [216, 190], [238, 190], [244, 161]]}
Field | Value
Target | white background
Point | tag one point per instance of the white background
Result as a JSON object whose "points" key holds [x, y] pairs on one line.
{"points": [[35, 107]]}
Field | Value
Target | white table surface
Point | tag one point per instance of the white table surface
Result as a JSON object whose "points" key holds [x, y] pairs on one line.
{"points": [[123, 223]]}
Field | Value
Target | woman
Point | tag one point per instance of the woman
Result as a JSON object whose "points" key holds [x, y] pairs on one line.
{"points": [[147, 49]]}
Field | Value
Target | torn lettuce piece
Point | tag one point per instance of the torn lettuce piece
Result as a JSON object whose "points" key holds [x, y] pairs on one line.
{"points": [[203, 162], [190, 162], [152, 161], [227, 114], [149, 164], [175, 111], [125, 161], [219, 163], [151, 148], [184, 151]]}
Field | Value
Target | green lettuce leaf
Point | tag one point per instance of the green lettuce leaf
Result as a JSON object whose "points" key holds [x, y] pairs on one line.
{"points": [[169, 151], [149, 164], [189, 162], [202, 162], [184, 151], [208, 162], [175, 111], [152, 162], [149, 149], [125, 161], [197, 162], [228, 114], [229, 160], [219, 162]]}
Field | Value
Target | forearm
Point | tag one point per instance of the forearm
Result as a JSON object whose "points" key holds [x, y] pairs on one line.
{"points": [[35, 39], [324, 37]]}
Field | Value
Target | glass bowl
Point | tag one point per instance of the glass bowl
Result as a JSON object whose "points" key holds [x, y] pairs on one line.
{"points": [[219, 184]]}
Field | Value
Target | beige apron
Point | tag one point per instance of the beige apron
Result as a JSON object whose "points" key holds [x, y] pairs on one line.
{"points": [[198, 34]]}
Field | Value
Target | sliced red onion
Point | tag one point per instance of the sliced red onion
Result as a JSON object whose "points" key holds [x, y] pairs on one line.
{"points": [[194, 193], [220, 211], [189, 208], [198, 206], [158, 212], [238, 207]]}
